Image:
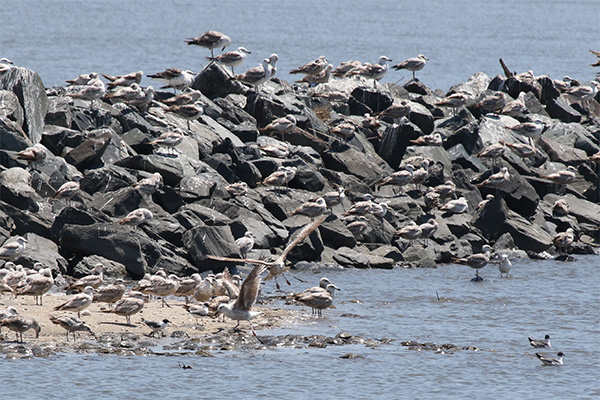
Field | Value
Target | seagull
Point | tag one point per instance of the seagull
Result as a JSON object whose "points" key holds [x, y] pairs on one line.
{"points": [[71, 324], [78, 302], [281, 125], [312, 209], [446, 190], [35, 154], [311, 68], [94, 280], [162, 288], [583, 93], [492, 151], [532, 130], [124, 80], [169, 139], [156, 326], [399, 178], [241, 310], [279, 149], [562, 177], [322, 77], [431, 198], [345, 67], [111, 293], [504, 267], [94, 90], [412, 64], [136, 217], [68, 189], [560, 208], [20, 324], [361, 207], [232, 58], [11, 250], [485, 201], [372, 71], [455, 101], [456, 206], [281, 177], [344, 130], [174, 78], [317, 300], [149, 185], [395, 111], [38, 285], [8, 312], [409, 232], [476, 261], [126, 93], [143, 99], [257, 75], [183, 98], [334, 198], [540, 343], [237, 189], [210, 40], [187, 286], [130, 304], [278, 266], [189, 112], [496, 180], [428, 229], [434, 139], [549, 361], [82, 79], [563, 239], [245, 243], [197, 310], [523, 150], [359, 226], [516, 108], [494, 102]]}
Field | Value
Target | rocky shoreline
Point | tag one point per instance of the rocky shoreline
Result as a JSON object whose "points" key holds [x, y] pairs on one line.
{"points": [[332, 145]]}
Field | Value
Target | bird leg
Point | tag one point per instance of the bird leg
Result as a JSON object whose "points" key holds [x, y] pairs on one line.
{"points": [[254, 333]]}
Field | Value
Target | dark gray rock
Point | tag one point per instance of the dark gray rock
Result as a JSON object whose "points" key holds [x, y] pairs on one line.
{"points": [[40, 249], [350, 161], [549, 90], [59, 112], [395, 141], [421, 117], [335, 234], [171, 169], [56, 138], [11, 108], [562, 110], [12, 137], [375, 100], [201, 241], [112, 269], [89, 153], [215, 81], [16, 191]]}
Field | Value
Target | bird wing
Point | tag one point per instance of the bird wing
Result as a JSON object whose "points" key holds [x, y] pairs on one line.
{"points": [[249, 290], [239, 260], [304, 233], [229, 285]]}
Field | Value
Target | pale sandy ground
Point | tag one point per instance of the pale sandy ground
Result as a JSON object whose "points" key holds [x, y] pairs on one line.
{"points": [[102, 322]]}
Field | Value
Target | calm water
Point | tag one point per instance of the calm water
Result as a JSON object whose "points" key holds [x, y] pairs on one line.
{"points": [[496, 316], [63, 38]]}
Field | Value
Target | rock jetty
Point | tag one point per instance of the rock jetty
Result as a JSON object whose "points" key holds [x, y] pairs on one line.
{"points": [[495, 146]]}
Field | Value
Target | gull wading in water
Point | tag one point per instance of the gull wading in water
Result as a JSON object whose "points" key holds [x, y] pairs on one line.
{"points": [[241, 310], [505, 265], [476, 261], [278, 266], [317, 300]]}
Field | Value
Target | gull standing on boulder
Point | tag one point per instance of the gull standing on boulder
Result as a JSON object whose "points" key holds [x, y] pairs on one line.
{"points": [[372, 71], [169, 139], [321, 77], [562, 177], [35, 154], [312, 209], [563, 239], [136, 217], [232, 58], [412, 64], [189, 112], [523, 150], [68, 189], [257, 75], [410, 232], [532, 130], [395, 111], [334, 198], [245, 243], [210, 40], [361, 207], [149, 185], [399, 178], [428, 229], [492, 151], [312, 67], [358, 227], [496, 180], [456, 206], [174, 78], [433, 139], [124, 80], [281, 125], [493, 102], [281, 177], [455, 101], [584, 93], [183, 98], [237, 189], [82, 79], [94, 90]]}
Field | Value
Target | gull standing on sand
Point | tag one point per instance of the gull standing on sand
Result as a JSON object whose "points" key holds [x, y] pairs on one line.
{"points": [[94, 279], [456, 206], [38, 286], [71, 324], [68, 189], [278, 266], [317, 300], [232, 58], [505, 265], [174, 78], [189, 112], [156, 326], [130, 304], [538, 344], [136, 217], [245, 243], [312, 209], [412, 64], [549, 361], [170, 139], [78, 302], [11, 250], [210, 40], [477, 261], [197, 310], [111, 293], [20, 324], [563, 239], [241, 310]]}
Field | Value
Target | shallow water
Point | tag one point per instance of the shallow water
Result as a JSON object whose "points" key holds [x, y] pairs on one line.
{"points": [[60, 39], [495, 316]]}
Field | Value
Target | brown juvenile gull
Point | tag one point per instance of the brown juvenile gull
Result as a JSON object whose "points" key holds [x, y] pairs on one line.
{"points": [[584, 93], [136, 217], [94, 90], [421, 174], [82, 79], [359, 226], [189, 112], [187, 286], [532, 130], [94, 279], [110, 293], [540, 343], [281, 177], [485, 201], [322, 77], [245, 243], [372, 71], [409, 232], [456, 206], [496, 180], [312, 67], [183, 98], [395, 111], [71, 324], [278, 266], [149, 185], [204, 291], [35, 154], [130, 304], [523, 150], [11, 250], [256, 76], [493, 102], [399, 178], [8, 312], [232, 58], [38, 285], [160, 288], [515, 108], [560, 208], [492, 151], [20, 324], [379, 209], [428, 229], [345, 67], [126, 93], [279, 149], [317, 300], [563, 239], [68, 189], [412, 64], [434, 139], [339, 97], [281, 125], [143, 99], [476, 261], [78, 302], [550, 361], [169, 139], [210, 40], [15, 276], [311, 209], [446, 190], [334, 198], [241, 310], [455, 101], [431, 198], [237, 189], [174, 78], [562, 177], [344, 130], [361, 207], [124, 80]]}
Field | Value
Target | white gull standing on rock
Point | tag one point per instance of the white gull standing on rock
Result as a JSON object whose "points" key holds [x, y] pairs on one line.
{"points": [[232, 58], [456, 206]]}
